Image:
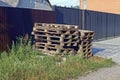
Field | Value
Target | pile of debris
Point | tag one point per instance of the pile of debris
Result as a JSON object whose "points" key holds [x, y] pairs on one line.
{"points": [[62, 39]]}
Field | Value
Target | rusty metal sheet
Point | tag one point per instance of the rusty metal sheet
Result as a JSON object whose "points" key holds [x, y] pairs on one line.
{"points": [[19, 22]]}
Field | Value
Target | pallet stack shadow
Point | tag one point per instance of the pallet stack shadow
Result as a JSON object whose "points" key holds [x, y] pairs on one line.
{"points": [[86, 39], [56, 38]]}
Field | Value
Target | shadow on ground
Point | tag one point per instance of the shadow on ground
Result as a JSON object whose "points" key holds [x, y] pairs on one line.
{"points": [[96, 50]]}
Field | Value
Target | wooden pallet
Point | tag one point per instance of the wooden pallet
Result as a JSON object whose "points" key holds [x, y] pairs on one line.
{"points": [[51, 49], [86, 43], [60, 26], [50, 37], [52, 28], [86, 38], [59, 38], [52, 32], [55, 43], [86, 33], [88, 54]]}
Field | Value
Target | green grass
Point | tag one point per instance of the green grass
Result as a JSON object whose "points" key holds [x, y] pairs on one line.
{"points": [[24, 63]]}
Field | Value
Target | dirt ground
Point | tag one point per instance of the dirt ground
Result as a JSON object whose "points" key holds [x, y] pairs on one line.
{"points": [[106, 49], [112, 73]]}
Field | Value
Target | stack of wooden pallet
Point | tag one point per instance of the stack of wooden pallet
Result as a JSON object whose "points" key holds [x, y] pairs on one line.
{"points": [[86, 39], [56, 38]]}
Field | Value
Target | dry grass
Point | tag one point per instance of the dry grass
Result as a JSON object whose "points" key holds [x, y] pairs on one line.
{"points": [[96, 59]]}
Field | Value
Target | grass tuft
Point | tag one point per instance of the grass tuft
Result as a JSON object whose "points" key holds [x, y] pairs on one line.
{"points": [[24, 63]]}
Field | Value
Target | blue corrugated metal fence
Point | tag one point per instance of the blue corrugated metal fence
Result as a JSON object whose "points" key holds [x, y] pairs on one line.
{"points": [[105, 25]]}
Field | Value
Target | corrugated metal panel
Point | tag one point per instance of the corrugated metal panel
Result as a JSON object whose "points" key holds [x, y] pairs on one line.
{"points": [[110, 25], [18, 22], [117, 25], [5, 40], [80, 19], [59, 15], [99, 26], [8, 3], [91, 22], [68, 16], [35, 4], [87, 20], [105, 25], [31, 4]]}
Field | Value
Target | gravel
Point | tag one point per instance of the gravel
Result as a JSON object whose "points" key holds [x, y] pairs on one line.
{"points": [[112, 73]]}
